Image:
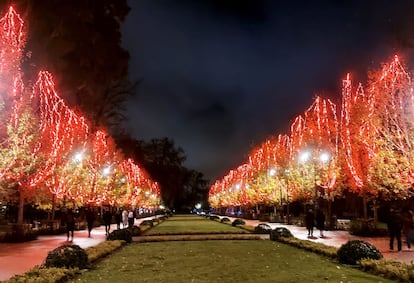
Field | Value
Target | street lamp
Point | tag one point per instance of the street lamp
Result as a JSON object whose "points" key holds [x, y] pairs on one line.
{"points": [[322, 158]]}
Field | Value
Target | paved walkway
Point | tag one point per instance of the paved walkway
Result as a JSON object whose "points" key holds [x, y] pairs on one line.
{"points": [[17, 258], [337, 238]]}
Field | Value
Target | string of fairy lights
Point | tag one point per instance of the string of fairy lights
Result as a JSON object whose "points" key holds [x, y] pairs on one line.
{"points": [[67, 160], [367, 149]]}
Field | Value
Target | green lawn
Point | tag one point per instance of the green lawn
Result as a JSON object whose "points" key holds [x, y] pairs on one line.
{"points": [[220, 261], [192, 224]]}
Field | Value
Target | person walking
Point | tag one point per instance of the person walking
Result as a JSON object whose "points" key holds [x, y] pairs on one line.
{"points": [[107, 219], [118, 219], [394, 225], [408, 228], [124, 218], [131, 218], [70, 225], [90, 219], [320, 222], [310, 222]]}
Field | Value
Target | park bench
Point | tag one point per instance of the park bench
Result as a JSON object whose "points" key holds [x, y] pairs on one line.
{"points": [[343, 224]]}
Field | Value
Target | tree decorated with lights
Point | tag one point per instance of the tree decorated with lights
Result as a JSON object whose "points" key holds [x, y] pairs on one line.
{"points": [[138, 189], [47, 149], [368, 150], [262, 161], [392, 98], [377, 134], [20, 148]]}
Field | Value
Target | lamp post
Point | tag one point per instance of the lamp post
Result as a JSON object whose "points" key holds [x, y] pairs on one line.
{"points": [[316, 160], [272, 173]]}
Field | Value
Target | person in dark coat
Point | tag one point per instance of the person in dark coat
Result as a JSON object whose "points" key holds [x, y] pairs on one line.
{"points": [[310, 222], [320, 221], [107, 219], [70, 225], [394, 225], [408, 228], [118, 219], [90, 220]]}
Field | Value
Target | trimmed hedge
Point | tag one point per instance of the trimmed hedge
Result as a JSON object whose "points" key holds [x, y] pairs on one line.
{"points": [[121, 234], [68, 256], [353, 251], [262, 229]]}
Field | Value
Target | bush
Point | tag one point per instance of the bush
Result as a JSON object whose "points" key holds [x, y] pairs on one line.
{"points": [[397, 271], [353, 251], [214, 217], [162, 217], [43, 274], [280, 232], [147, 223], [225, 220], [135, 231], [121, 234], [238, 221], [262, 229], [68, 256]]}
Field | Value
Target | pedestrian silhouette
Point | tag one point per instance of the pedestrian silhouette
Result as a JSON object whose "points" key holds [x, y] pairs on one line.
{"points": [[90, 219], [107, 219], [320, 221], [70, 225], [394, 225], [310, 222], [408, 228], [118, 219]]}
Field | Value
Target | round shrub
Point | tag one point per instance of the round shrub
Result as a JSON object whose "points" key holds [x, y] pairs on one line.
{"points": [[121, 234], [68, 256], [225, 220], [135, 231], [148, 223], [262, 229], [238, 221], [214, 217], [280, 232], [353, 251]]}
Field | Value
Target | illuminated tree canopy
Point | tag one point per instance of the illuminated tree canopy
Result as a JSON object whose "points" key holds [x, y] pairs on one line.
{"points": [[365, 147], [49, 151]]}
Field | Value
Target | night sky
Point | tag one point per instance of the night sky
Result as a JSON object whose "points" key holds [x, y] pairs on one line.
{"points": [[219, 77]]}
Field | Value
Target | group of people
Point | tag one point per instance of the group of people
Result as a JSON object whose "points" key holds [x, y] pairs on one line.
{"points": [[400, 223], [124, 217], [311, 220]]}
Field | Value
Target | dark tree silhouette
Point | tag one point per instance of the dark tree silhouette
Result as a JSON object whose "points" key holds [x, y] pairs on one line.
{"points": [[181, 188]]}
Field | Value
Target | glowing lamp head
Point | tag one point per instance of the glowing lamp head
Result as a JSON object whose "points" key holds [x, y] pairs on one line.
{"points": [[325, 157], [78, 157], [272, 172], [304, 157], [106, 171]]}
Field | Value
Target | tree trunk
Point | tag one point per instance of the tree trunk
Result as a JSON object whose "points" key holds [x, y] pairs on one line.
{"points": [[53, 206], [287, 213], [331, 224], [21, 208], [375, 214], [365, 206]]}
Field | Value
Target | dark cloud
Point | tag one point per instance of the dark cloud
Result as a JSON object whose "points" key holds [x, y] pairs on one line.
{"points": [[220, 76]]}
